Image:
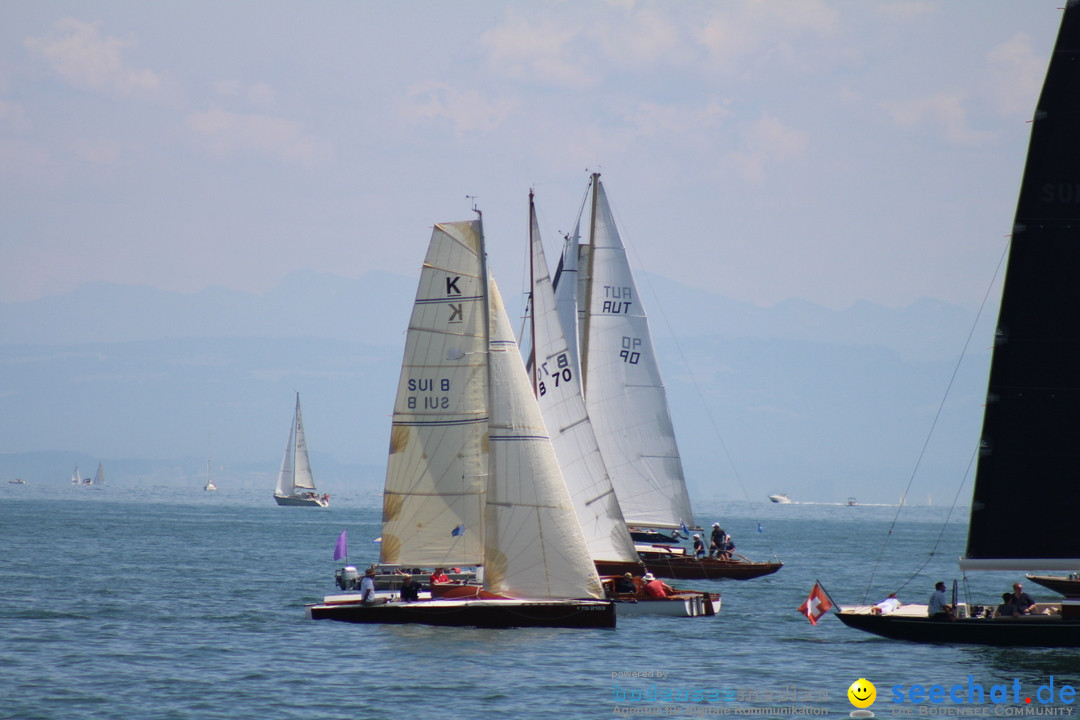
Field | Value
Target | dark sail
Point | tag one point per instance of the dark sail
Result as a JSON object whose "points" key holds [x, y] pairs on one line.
{"points": [[1024, 510]]}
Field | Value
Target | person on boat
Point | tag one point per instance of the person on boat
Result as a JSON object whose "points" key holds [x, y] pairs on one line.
{"points": [[438, 577], [937, 607], [699, 546], [655, 588], [625, 585], [716, 544], [1007, 608], [888, 605], [367, 587], [1023, 602], [410, 591]]}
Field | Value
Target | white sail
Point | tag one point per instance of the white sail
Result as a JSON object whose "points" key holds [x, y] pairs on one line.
{"points": [[76, 478], [558, 393], [624, 394], [295, 475], [302, 478], [533, 546], [436, 473], [99, 476]]}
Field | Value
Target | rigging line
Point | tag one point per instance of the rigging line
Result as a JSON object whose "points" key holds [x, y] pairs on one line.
{"points": [[693, 378], [945, 524], [937, 416]]}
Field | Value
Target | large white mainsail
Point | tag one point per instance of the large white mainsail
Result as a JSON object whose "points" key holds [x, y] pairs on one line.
{"points": [[533, 546], [76, 477], [558, 393], [624, 394], [99, 476], [436, 474], [295, 475]]}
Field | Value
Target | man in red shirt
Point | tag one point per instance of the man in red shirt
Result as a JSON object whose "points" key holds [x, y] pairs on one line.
{"points": [[655, 588]]}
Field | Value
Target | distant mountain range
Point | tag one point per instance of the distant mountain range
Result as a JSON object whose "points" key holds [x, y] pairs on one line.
{"points": [[822, 404]]}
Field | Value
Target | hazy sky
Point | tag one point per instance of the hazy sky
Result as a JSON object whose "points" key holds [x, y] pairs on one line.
{"points": [[765, 149]]}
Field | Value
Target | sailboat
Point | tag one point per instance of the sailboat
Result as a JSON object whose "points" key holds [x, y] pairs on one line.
{"points": [[295, 485], [558, 393], [79, 480], [1026, 481], [472, 478], [625, 396], [209, 486]]}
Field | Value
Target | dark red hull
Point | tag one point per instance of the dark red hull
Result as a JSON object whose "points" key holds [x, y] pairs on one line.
{"points": [[690, 568]]}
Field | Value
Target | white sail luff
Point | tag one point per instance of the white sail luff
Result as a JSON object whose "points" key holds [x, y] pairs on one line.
{"points": [[533, 545], [558, 391], [624, 394], [437, 472], [302, 477]]}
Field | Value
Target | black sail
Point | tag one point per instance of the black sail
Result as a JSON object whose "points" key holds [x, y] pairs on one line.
{"points": [[1024, 510]]}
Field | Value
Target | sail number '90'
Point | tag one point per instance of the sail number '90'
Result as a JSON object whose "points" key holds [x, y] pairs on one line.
{"points": [[630, 352]]}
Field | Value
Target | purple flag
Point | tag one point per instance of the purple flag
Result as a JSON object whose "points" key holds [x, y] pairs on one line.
{"points": [[341, 549]]}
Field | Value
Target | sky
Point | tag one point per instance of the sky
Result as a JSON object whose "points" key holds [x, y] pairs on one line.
{"points": [[831, 151]]}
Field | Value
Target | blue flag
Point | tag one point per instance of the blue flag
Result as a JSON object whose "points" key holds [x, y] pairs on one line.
{"points": [[759, 528], [459, 530], [682, 528], [341, 549]]}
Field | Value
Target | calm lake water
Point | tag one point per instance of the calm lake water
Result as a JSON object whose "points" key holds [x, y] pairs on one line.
{"points": [[191, 605]]}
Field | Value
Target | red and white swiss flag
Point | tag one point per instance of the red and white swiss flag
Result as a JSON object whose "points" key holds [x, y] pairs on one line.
{"points": [[816, 605]]}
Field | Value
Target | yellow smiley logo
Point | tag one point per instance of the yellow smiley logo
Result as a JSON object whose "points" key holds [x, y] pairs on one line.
{"points": [[862, 693]]}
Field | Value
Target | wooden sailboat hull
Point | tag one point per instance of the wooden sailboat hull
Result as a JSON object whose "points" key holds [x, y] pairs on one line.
{"points": [[300, 501], [685, 567], [1066, 586], [1025, 631], [475, 613]]}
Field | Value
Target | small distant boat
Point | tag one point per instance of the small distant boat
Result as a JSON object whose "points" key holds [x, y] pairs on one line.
{"points": [[781, 498], [852, 502], [295, 485], [209, 486], [98, 479], [17, 481]]}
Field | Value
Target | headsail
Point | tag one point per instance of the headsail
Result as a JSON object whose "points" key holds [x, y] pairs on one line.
{"points": [[295, 471], [436, 473], [533, 546], [558, 393], [1022, 512], [624, 393]]}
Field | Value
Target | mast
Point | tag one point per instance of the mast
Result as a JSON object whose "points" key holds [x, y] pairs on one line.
{"points": [[589, 288], [531, 360]]}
